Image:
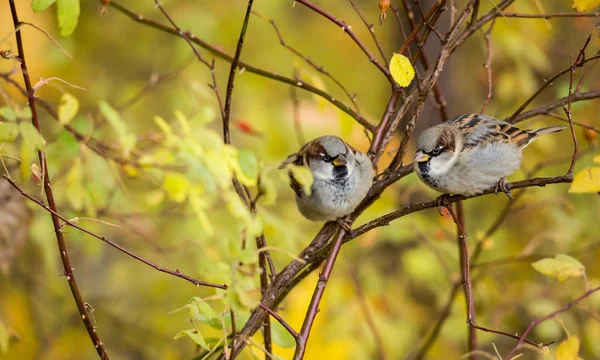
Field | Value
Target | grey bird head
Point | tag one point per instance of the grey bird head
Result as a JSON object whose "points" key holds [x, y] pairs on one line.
{"points": [[438, 149]]}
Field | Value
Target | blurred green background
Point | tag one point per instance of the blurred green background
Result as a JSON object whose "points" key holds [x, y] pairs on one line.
{"points": [[402, 274]]}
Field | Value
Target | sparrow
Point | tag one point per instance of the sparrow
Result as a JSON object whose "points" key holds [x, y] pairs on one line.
{"points": [[472, 153], [342, 177]]}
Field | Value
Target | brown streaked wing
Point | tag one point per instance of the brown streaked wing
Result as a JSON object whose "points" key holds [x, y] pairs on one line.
{"points": [[481, 129]]}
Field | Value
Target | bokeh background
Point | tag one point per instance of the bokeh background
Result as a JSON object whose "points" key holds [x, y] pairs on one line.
{"points": [[395, 279]]}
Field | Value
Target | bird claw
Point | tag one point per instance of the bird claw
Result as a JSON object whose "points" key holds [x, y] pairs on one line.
{"points": [[345, 224], [443, 201], [501, 186]]}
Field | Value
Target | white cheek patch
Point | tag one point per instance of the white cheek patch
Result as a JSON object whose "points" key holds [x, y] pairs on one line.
{"points": [[439, 166]]}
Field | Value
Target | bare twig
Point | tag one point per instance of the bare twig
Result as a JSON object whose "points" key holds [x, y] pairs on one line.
{"points": [[62, 247], [313, 308], [72, 223], [536, 321], [465, 266], [551, 15], [347, 29], [488, 65], [310, 62], [280, 320], [371, 31], [250, 68]]}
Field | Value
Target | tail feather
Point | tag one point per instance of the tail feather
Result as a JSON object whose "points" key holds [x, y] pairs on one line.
{"points": [[549, 130], [533, 134]]}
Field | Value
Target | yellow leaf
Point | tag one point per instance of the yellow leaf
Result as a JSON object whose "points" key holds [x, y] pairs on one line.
{"points": [[596, 159], [176, 186], [585, 5], [586, 181], [402, 70], [67, 108], [568, 349], [303, 176]]}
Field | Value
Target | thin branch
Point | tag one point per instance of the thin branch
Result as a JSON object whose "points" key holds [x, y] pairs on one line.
{"points": [[310, 62], [250, 68], [62, 247], [437, 93], [280, 320], [536, 321], [546, 109], [488, 66], [348, 30], [465, 267], [232, 71], [581, 61], [371, 31], [551, 15], [409, 209], [313, 307], [73, 224]]}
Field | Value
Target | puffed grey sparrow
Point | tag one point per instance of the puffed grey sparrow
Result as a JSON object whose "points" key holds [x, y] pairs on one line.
{"points": [[342, 177], [472, 153]]}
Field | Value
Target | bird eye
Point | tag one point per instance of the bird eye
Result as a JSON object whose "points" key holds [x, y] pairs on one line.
{"points": [[437, 150], [327, 158]]}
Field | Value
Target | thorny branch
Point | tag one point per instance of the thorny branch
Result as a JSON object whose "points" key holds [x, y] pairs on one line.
{"points": [[409, 105], [71, 223], [60, 239], [536, 321]]}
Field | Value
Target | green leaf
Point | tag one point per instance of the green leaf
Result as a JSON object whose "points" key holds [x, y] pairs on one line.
{"points": [[8, 113], [30, 133], [586, 181], [194, 335], [176, 186], [8, 131], [561, 267], [205, 309], [281, 336], [67, 13], [28, 153], [568, 349], [126, 139], [41, 5], [113, 118], [67, 108], [246, 167], [401, 70]]}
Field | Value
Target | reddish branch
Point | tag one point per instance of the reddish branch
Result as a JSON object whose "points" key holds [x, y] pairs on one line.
{"points": [[62, 246], [352, 35], [536, 321], [313, 307], [53, 212], [250, 68]]}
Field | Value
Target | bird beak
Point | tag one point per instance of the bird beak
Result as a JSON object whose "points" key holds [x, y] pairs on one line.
{"points": [[339, 161], [420, 157]]}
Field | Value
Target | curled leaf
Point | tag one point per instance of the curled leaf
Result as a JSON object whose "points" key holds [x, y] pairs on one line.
{"points": [[561, 267]]}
